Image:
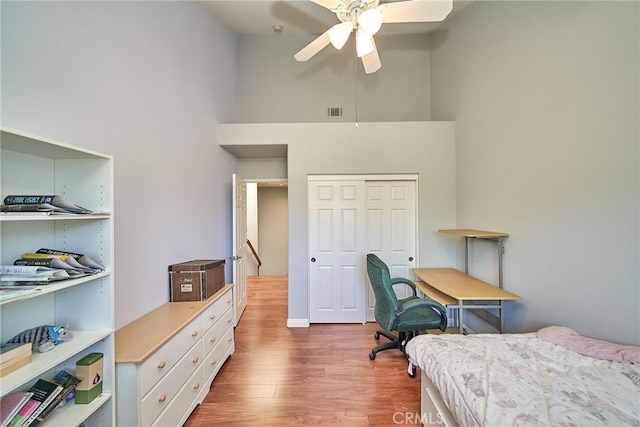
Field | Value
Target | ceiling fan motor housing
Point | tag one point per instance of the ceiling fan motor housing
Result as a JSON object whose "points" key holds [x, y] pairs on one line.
{"points": [[348, 10]]}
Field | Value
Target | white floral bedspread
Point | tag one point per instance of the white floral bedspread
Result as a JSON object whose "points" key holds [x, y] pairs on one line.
{"points": [[520, 380]]}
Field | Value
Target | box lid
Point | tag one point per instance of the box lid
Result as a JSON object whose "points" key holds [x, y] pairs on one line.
{"points": [[196, 265], [89, 359]]}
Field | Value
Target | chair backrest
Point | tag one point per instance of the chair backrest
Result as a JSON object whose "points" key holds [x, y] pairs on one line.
{"points": [[386, 300]]}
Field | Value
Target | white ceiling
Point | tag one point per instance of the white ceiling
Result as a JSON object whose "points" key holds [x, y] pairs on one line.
{"points": [[296, 17]]}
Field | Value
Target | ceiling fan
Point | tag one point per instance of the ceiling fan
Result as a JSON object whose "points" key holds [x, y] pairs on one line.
{"points": [[366, 17]]}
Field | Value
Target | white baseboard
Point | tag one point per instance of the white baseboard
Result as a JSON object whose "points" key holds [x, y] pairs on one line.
{"points": [[298, 323]]}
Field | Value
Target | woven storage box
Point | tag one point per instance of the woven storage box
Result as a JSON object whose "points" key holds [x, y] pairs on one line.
{"points": [[196, 280]]}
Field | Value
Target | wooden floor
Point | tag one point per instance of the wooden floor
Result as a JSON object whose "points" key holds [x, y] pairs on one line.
{"points": [[313, 376]]}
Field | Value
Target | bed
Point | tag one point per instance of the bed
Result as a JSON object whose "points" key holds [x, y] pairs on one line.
{"points": [[553, 377]]}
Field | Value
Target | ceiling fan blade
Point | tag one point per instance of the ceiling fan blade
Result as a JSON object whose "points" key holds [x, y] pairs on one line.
{"points": [[328, 4], [314, 47], [371, 61], [416, 11]]}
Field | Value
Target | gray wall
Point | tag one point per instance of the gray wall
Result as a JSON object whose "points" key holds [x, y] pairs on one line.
{"points": [[274, 88], [147, 82], [545, 98], [273, 230]]}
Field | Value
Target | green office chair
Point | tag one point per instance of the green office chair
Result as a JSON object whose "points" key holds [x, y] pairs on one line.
{"points": [[406, 316]]}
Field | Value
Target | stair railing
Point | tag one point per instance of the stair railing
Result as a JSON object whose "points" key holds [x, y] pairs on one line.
{"points": [[255, 255]]}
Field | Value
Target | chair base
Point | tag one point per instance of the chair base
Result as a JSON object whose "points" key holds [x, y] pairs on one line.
{"points": [[398, 342]]}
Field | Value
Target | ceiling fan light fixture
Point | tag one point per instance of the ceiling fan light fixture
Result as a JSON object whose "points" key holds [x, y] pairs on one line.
{"points": [[339, 34], [364, 45], [370, 21]]}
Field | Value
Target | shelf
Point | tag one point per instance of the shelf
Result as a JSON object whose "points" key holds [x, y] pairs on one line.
{"points": [[72, 414], [43, 362], [59, 285], [57, 217], [467, 233], [477, 234], [20, 142]]}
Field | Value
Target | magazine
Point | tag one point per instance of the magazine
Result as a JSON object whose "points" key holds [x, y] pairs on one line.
{"points": [[82, 259], [56, 263], [19, 273], [59, 203]]}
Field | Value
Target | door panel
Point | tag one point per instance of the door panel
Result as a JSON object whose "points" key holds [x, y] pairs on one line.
{"points": [[336, 252], [391, 231], [239, 247]]}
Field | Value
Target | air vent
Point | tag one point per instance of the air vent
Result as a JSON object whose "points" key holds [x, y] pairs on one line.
{"points": [[334, 112]]}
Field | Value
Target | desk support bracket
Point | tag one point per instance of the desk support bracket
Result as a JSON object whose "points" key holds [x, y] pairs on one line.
{"points": [[500, 242]]}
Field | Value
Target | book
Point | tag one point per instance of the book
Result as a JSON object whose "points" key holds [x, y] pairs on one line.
{"points": [[10, 404], [9, 351], [44, 392], [53, 200], [82, 259], [68, 382], [27, 409]]}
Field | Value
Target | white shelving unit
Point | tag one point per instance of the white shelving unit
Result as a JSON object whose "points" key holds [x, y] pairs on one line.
{"points": [[35, 165]]}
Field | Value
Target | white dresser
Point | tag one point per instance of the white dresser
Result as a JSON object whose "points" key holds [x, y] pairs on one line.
{"points": [[167, 359]]}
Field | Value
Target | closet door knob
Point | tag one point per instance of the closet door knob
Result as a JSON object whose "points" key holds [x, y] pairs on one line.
{"points": [[410, 258], [313, 260]]}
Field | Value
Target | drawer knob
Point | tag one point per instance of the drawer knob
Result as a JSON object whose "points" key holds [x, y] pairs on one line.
{"points": [[213, 340], [194, 333], [230, 320], [212, 317], [230, 340], [195, 359], [228, 301], [213, 362], [161, 364], [162, 398], [196, 386]]}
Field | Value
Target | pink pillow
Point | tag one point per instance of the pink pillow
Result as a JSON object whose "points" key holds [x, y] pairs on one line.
{"points": [[571, 340]]}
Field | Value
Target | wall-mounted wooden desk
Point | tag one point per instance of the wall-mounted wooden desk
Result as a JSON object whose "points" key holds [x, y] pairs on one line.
{"points": [[459, 290]]}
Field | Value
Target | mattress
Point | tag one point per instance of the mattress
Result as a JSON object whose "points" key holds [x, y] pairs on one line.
{"points": [[523, 380]]}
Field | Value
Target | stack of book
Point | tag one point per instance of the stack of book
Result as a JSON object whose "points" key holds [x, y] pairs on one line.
{"points": [[30, 408], [14, 356]]}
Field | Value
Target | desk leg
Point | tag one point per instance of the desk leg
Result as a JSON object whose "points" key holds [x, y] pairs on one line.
{"points": [[501, 310], [460, 318]]}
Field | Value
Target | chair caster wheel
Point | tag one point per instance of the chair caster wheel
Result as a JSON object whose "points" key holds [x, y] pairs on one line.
{"points": [[372, 355], [412, 372], [377, 335]]}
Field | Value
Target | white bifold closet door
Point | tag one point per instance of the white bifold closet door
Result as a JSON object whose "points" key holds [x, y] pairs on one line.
{"points": [[349, 218]]}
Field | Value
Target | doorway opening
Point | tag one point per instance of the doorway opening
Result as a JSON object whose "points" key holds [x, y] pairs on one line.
{"points": [[268, 227]]}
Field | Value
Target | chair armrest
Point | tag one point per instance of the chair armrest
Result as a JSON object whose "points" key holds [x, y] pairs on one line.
{"points": [[402, 280], [428, 302]]}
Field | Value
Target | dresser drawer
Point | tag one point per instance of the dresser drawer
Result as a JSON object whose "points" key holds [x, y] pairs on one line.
{"points": [[212, 314], [161, 395], [158, 364], [185, 401], [214, 336], [214, 360]]}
